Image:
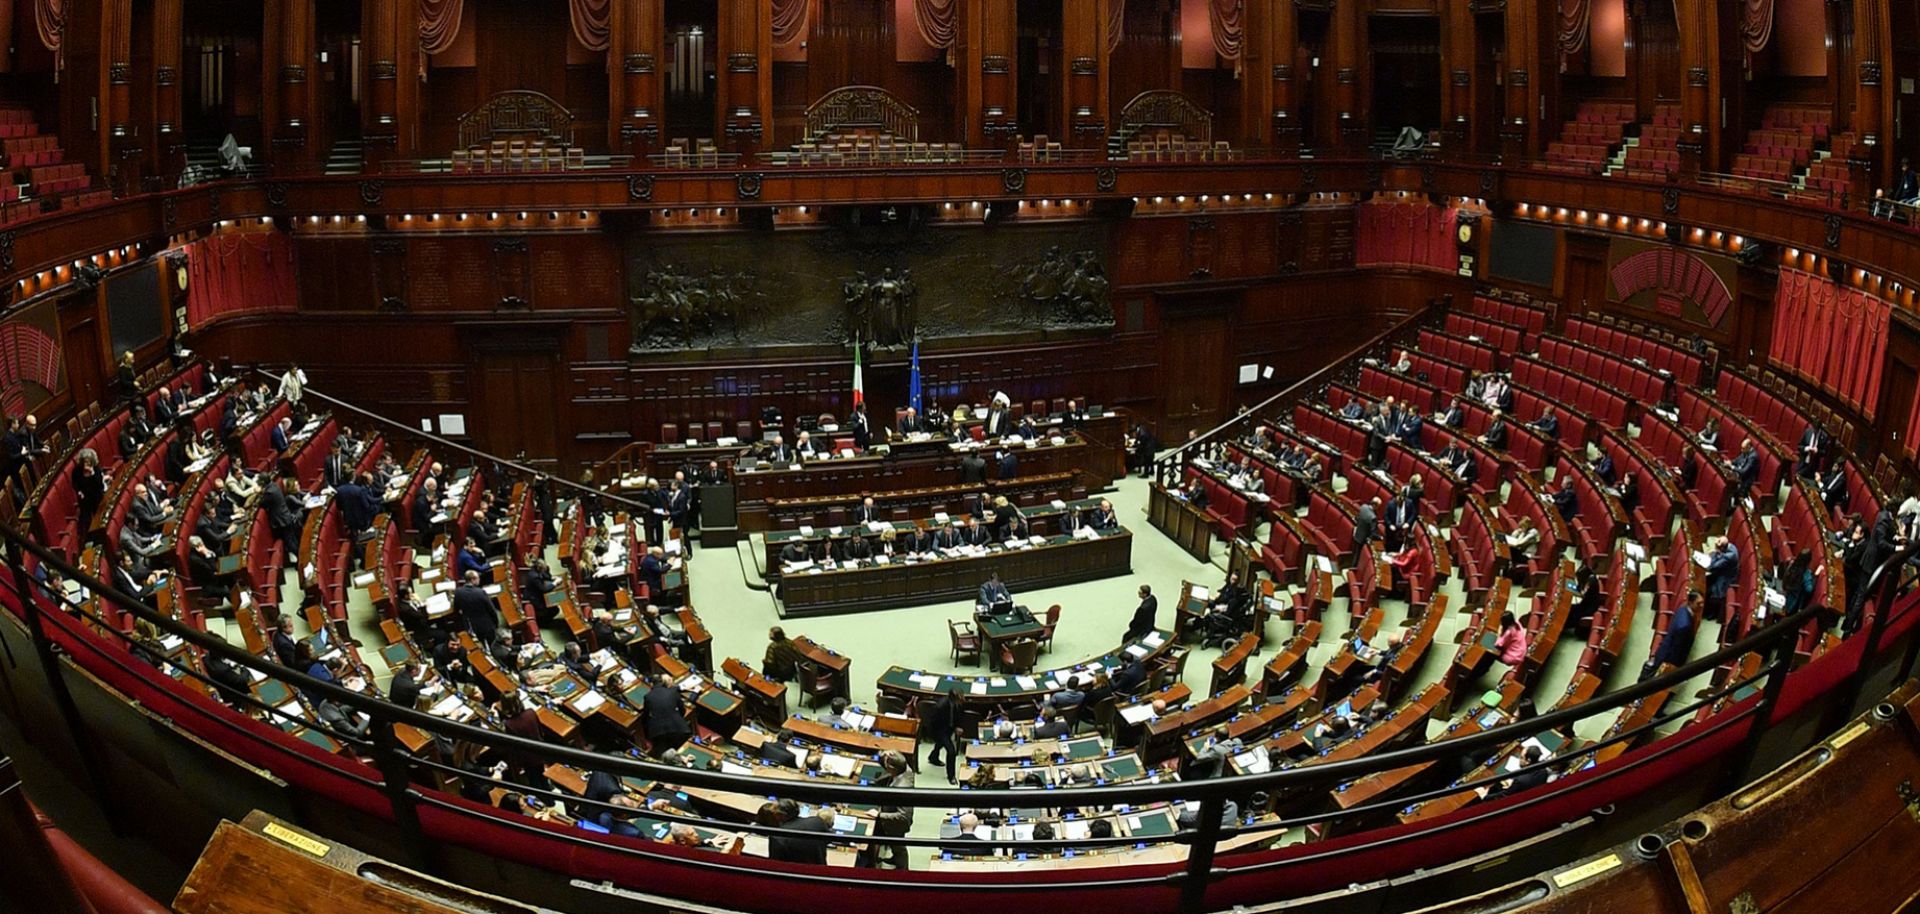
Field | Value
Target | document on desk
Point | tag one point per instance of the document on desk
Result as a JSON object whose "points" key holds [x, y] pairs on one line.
{"points": [[923, 680], [1027, 682], [1137, 650], [727, 767], [1154, 639], [1075, 829], [979, 688], [1702, 559], [588, 702], [840, 766], [1198, 592], [1137, 714]]}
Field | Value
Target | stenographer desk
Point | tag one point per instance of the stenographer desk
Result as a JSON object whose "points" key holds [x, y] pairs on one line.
{"points": [[1054, 562]]}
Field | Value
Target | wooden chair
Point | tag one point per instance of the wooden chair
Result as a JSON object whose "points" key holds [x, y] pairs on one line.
{"points": [[1053, 621], [964, 640], [816, 685], [1018, 656]]}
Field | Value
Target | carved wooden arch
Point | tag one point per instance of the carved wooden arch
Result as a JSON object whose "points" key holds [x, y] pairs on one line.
{"points": [[1169, 109], [516, 113], [868, 107]]}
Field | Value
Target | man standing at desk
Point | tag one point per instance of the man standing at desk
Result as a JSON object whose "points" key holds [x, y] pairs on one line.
{"points": [[476, 609], [999, 421], [858, 426], [666, 717], [993, 593], [973, 469], [1143, 621]]}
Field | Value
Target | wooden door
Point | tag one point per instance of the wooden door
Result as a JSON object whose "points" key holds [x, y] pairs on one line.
{"points": [[1196, 370], [80, 343], [514, 405], [1896, 404]]}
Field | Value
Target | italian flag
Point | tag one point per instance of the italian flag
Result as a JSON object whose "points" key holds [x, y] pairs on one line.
{"points": [[859, 381]]}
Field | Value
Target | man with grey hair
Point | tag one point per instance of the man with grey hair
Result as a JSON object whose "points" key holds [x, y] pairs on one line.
{"points": [[203, 569]]}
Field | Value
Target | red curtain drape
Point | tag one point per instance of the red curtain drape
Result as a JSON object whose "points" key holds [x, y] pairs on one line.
{"points": [[1229, 26], [1405, 236], [50, 20], [232, 273], [592, 23], [439, 23], [791, 19], [1756, 24], [1831, 335], [1576, 18], [1116, 20], [936, 21]]}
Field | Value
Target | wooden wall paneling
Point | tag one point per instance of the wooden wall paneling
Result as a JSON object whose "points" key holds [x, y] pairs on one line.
{"points": [[1584, 272], [1148, 56]]}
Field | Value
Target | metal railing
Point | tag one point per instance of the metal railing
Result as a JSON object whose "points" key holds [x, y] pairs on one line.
{"points": [[402, 775]]}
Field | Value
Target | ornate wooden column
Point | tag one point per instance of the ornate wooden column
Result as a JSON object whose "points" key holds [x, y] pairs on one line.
{"points": [[1457, 55], [1872, 105], [167, 141], [289, 24], [1256, 83], [745, 97], [1347, 55], [1699, 120], [1532, 41], [123, 135], [380, 31], [1289, 83], [638, 105], [1083, 51], [985, 48]]}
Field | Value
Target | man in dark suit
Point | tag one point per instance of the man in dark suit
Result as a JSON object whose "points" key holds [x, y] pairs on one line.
{"points": [[680, 508], [993, 592], [1453, 415], [799, 849], [1366, 524], [999, 420], [867, 512], [1813, 451], [1548, 424], [973, 469], [859, 427], [1142, 615], [404, 690], [1130, 678], [147, 510], [910, 422], [1103, 517], [779, 452], [1723, 569], [1566, 501], [281, 437], [1746, 465], [1496, 434], [421, 512], [165, 410], [285, 514], [284, 646], [358, 503], [1525, 779], [666, 717], [338, 469], [203, 569], [1677, 642], [1009, 465], [476, 608], [1833, 489], [1402, 514]]}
